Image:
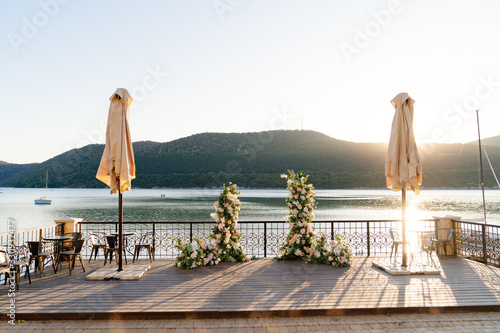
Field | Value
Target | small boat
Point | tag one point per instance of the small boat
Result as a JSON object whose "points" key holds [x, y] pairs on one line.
{"points": [[43, 200]]}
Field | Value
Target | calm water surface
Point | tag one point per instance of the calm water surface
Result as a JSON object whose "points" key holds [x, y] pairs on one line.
{"points": [[197, 204]]}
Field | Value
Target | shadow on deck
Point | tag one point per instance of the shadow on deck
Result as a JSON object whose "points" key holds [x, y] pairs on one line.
{"points": [[259, 288]]}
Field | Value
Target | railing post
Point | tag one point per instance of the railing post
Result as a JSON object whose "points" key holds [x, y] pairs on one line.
{"points": [[265, 239], [368, 236], [191, 232], [454, 226], [40, 236], [485, 250], [331, 230], [154, 239]]}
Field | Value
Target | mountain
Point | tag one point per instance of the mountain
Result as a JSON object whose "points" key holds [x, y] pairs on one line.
{"points": [[8, 170], [257, 160]]}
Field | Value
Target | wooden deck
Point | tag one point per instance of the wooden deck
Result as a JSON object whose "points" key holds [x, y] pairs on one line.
{"points": [[259, 288]]}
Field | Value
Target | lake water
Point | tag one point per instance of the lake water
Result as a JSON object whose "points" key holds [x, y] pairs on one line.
{"points": [[258, 205]]}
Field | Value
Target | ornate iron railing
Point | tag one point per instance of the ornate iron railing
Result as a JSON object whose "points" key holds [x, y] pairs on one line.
{"points": [[477, 241], [472, 240], [260, 238]]}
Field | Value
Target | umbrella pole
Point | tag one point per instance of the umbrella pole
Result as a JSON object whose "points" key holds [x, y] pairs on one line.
{"points": [[120, 228], [404, 227]]}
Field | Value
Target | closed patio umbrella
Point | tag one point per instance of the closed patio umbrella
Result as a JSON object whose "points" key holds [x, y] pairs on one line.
{"points": [[403, 169], [117, 167]]}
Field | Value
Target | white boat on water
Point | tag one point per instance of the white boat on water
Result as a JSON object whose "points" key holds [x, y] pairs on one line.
{"points": [[44, 200]]}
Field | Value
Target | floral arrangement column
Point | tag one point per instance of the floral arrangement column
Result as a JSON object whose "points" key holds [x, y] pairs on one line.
{"points": [[300, 243], [225, 234]]}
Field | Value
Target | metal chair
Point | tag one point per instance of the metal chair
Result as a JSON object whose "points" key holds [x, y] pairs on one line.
{"points": [[145, 242], [39, 256], [111, 248], [68, 245], [4, 265], [20, 261], [97, 243], [426, 246], [396, 241], [71, 255], [442, 242]]}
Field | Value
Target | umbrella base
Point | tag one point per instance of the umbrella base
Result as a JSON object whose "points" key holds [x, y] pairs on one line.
{"points": [[132, 272], [413, 268]]}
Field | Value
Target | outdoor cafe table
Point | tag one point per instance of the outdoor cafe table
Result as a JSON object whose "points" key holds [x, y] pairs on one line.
{"points": [[58, 244], [125, 235]]}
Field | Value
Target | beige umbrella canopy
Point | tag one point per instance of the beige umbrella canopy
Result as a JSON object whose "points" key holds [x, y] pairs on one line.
{"points": [[117, 167], [403, 169]]}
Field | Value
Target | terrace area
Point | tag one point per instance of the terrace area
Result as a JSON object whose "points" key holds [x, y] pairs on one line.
{"points": [[264, 287]]}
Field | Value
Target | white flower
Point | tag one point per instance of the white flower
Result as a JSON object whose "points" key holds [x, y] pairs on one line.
{"points": [[284, 175]]}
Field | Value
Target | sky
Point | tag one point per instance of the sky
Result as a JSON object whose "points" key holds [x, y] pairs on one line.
{"points": [[244, 66]]}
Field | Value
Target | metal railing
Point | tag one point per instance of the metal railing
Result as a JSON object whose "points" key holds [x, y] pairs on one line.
{"points": [[472, 240], [260, 238], [477, 241], [20, 237]]}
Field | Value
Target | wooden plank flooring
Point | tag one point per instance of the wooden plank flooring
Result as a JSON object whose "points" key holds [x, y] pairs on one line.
{"points": [[258, 288]]}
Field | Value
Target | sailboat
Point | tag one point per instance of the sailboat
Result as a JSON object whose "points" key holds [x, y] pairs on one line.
{"points": [[43, 200], [481, 180]]}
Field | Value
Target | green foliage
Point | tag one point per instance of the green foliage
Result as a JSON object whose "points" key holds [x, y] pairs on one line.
{"points": [[301, 237], [195, 254], [301, 242], [337, 254], [225, 236], [255, 160]]}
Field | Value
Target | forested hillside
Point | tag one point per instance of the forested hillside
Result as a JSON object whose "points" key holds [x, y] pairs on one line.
{"points": [[257, 160]]}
